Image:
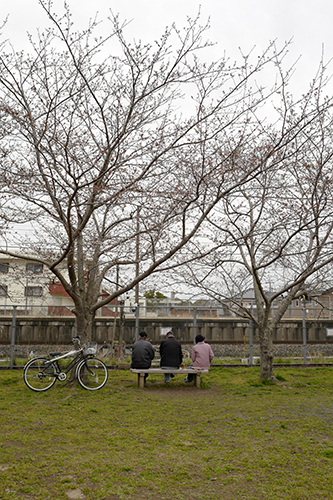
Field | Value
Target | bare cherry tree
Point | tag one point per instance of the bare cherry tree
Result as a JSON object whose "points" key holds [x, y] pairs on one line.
{"points": [[116, 151], [275, 234]]}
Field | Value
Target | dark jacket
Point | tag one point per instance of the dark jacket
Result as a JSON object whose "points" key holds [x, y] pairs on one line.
{"points": [[171, 353], [142, 354]]}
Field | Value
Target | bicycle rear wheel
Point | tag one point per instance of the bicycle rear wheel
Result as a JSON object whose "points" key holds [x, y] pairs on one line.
{"points": [[92, 374], [39, 375]]}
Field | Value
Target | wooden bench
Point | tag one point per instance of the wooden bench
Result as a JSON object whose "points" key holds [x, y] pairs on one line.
{"points": [[182, 371]]}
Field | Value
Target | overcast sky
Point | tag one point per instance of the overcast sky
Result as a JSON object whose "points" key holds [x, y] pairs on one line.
{"points": [[234, 23]]}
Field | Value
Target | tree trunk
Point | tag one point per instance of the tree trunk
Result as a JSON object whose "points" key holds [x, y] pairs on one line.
{"points": [[266, 355], [84, 331], [84, 323]]}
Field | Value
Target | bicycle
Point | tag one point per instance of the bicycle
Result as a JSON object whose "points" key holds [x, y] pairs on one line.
{"points": [[41, 373]]}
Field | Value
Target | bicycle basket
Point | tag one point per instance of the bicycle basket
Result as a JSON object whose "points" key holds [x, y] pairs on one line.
{"points": [[89, 348]]}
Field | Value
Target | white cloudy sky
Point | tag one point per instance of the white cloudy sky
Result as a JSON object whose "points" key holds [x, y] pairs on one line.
{"points": [[234, 23]]}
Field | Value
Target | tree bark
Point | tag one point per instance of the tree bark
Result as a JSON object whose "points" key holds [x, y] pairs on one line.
{"points": [[266, 355]]}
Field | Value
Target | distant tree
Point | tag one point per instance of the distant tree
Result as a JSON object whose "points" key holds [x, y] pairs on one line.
{"points": [[150, 294], [153, 294], [117, 160]]}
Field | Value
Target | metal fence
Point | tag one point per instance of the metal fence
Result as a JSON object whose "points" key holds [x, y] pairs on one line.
{"points": [[158, 310], [136, 314]]}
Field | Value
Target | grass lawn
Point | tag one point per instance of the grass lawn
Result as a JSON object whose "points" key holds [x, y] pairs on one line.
{"points": [[234, 438]]}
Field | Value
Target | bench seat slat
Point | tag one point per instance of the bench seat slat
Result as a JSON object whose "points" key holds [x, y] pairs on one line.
{"points": [[160, 370], [142, 371]]}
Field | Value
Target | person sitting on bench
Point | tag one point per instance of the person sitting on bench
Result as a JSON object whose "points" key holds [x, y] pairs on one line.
{"points": [[202, 356], [142, 353], [171, 354]]}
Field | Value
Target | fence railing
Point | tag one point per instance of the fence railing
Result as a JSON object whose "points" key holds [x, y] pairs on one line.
{"points": [[138, 313], [153, 311]]}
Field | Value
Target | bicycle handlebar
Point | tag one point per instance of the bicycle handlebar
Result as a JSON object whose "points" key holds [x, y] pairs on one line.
{"points": [[76, 339]]}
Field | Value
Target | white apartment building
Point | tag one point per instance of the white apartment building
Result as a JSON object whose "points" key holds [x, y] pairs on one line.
{"points": [[29, 286]]}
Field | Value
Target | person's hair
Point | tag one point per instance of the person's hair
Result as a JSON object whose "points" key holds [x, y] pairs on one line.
{"points": [[143, 334], [199, 338]]}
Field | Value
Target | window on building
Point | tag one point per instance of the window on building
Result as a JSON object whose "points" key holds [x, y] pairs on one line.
{"points": [[3, 290], [4, 267], [33, 291], [34, 267]]}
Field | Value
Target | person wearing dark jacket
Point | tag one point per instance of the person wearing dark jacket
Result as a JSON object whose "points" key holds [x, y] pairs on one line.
{"points": [[142, 353], [171, 354]]}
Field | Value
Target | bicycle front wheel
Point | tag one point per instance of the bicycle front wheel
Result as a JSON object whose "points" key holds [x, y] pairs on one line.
{"points": [[39, 375], [92, 374]]}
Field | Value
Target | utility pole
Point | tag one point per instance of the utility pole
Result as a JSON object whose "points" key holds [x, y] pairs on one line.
{"points": [[137, 271], [304, 332], [194, 324], [115, 310], [12, 342], [304, 298], [137, 255], [251, 342], [137, 315]]}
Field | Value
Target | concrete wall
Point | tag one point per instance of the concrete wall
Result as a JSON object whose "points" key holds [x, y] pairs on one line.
{"points": [[238, 351], [47, 330]]}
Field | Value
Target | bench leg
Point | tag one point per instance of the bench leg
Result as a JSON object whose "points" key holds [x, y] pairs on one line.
{"points": [[141, 380], [197, 380]]}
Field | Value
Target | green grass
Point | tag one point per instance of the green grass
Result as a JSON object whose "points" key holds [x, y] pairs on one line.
{"points": [[235, 438]]}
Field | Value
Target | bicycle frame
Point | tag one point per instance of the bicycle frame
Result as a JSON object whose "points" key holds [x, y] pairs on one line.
{"points": [[79, 356]]}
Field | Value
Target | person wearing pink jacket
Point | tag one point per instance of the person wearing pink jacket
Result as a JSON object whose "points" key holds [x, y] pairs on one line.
{"points": [[202, 356]]}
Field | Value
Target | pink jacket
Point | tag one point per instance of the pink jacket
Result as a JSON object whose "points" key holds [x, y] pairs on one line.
{"points": [[202, 355]]}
